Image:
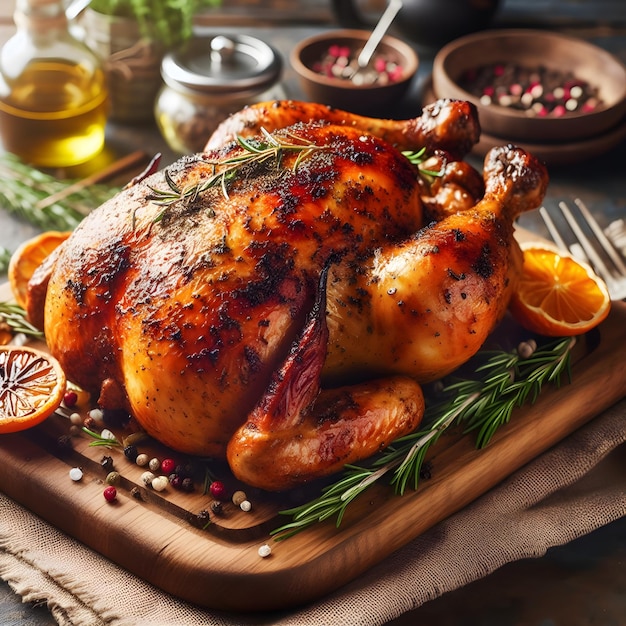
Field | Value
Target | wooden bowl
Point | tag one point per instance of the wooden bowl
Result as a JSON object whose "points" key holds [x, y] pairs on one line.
{"points": [[342, 93], [598, 70]]}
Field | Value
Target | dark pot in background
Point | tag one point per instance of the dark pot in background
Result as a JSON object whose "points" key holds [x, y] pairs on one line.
{"points": [[427, 22]]}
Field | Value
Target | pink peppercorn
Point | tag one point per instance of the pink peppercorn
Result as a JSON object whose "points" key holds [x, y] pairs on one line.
{"points": [[70, 398], [334, 50], [396, 73], [380, 65], [218, 490], [110, 493], [168, 466]]}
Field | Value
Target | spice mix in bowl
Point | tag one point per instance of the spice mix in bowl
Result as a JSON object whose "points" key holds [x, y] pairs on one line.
{"points": [[534, 86]]}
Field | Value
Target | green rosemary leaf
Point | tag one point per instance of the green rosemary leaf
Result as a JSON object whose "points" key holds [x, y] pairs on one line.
{"points": [[482, 404], [225, 171], [332, 502], [22, 187], [249, 146], [14, 316]]}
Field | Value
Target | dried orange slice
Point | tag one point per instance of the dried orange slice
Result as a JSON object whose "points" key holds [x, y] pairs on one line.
{"points": [[28, 257], [32, 386], [557, 295]]}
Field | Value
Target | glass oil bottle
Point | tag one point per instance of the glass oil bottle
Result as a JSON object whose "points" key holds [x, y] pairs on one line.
{"points": [[53, 96]]}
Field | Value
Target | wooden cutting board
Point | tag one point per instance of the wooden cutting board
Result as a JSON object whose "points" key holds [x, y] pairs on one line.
{"points": [[157, 537]]}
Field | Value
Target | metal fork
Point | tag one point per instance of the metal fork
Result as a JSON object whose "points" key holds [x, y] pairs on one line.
{"points": [[591, 245]]}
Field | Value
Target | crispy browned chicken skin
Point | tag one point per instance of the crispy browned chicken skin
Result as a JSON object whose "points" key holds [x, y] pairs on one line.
{"points": [[182, 313]]}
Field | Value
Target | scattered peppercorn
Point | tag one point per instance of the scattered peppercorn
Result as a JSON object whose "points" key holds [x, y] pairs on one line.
{"points": [[175, 480], [142, 460], [168, 466], [97, 415], [187, 484], [107, 463], [238, 497], [245, 506], [184, 470], [135, 492], [147, 478], [113, 478], [265, 550], [218, 490], [159, 483], [70, 397], [217, 508], [110, 493], [526, 348], [154, 465], [131, 452], [203, 519], [134, 438], [76, 474]]}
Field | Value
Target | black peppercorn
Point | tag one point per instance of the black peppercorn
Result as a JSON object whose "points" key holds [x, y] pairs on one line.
{"points": [[217, 507], [107, 463], [200, 520], [184, 470], [131, 452]]}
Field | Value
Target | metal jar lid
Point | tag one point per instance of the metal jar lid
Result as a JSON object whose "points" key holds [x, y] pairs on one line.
{"points": [[221, 65]]}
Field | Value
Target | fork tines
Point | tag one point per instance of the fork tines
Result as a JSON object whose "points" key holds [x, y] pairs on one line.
{"points": [[590, 244]]}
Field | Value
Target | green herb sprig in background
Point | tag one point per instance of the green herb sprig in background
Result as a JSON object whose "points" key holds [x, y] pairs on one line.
{"points": [[14, 317], [23, 187]]}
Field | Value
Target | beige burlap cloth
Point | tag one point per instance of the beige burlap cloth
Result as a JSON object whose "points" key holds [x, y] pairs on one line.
{"points": [[567, 492]]}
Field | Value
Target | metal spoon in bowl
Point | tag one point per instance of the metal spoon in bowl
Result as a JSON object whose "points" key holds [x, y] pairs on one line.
{"points": [[365, 56]]}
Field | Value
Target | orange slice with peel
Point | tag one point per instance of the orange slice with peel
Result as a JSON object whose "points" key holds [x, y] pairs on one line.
{"points": [[557, 295], [28, 257], [32, 386]]}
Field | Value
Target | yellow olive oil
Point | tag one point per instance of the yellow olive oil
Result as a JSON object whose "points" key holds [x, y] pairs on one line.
{"points": [[54, 114]]}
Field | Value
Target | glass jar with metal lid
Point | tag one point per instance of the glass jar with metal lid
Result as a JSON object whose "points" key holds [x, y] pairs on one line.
{"points": [[209, 78]]}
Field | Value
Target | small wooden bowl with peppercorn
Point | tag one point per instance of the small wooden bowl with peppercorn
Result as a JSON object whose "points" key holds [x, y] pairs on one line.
{"points": [[326, 63], [534, 86]]}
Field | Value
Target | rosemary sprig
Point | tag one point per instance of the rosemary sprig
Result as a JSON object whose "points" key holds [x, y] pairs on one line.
{"points": [[255, 152], [14, 316], [485, 403], [22, 187]]}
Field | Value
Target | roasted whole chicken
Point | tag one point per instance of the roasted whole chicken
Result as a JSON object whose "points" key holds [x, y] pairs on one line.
{"points": [[279, 299]]}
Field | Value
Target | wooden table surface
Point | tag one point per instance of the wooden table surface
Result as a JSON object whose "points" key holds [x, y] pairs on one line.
{"points": [[589, 573]]}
